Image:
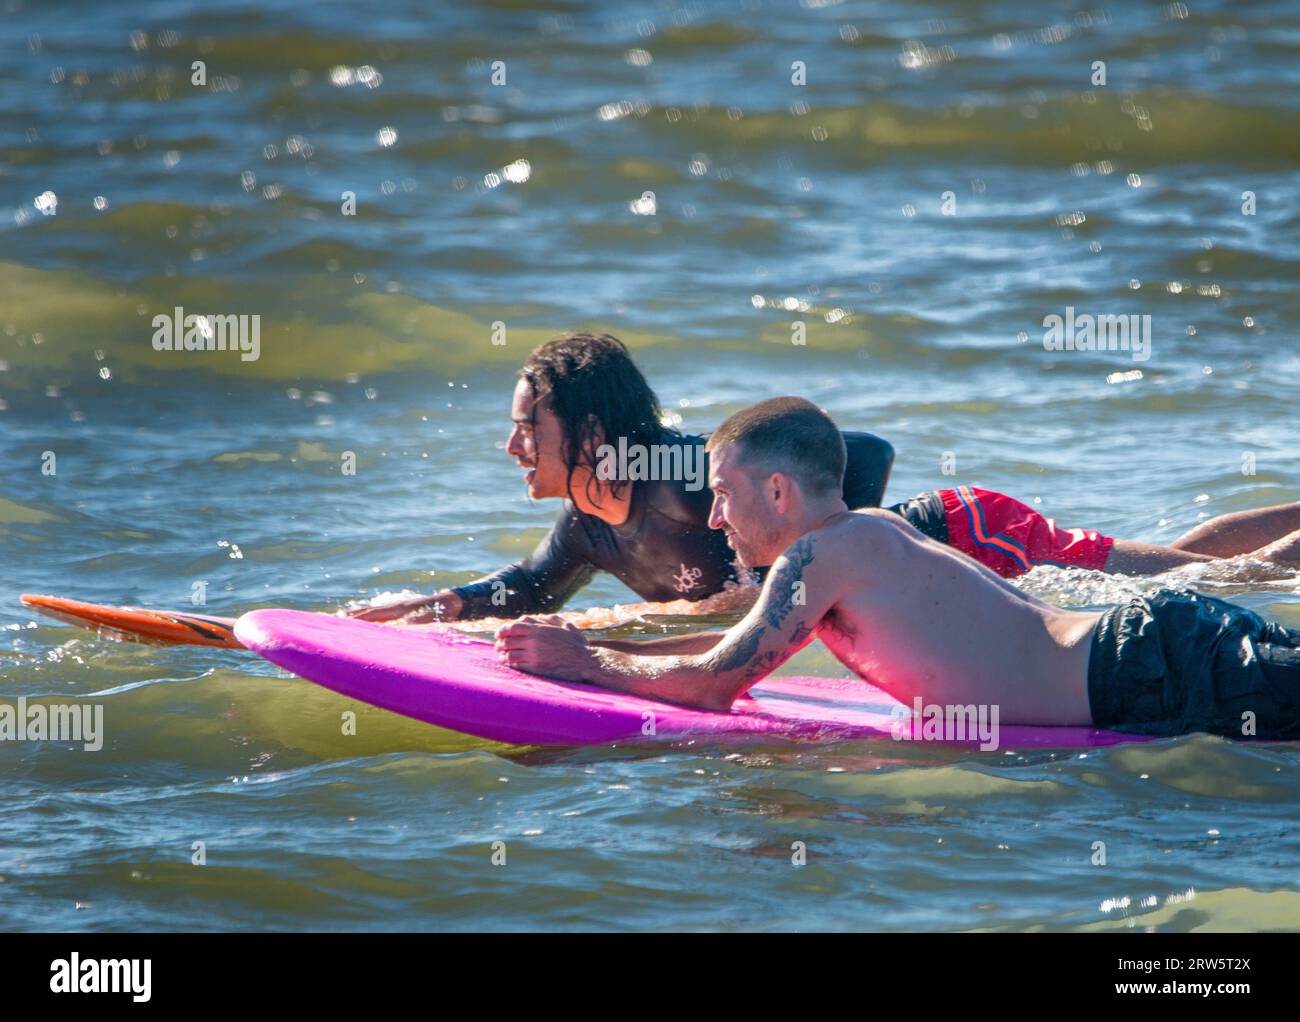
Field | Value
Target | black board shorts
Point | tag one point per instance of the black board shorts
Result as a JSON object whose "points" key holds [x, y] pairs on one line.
{"points": [[926, 513], [1177, 661]]}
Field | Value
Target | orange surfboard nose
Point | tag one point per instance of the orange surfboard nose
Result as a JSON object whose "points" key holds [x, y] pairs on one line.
{"points": [[139, 624]]}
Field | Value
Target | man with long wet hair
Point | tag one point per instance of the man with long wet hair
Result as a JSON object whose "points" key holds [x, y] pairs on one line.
{"points": [[579, 397]]}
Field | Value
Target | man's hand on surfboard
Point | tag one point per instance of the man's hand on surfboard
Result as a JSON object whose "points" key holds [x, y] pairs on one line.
{"points": [[443, 606], [549, 646]]}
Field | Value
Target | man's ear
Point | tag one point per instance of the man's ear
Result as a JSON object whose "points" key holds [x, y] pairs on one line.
{"points": [[778, 485]]}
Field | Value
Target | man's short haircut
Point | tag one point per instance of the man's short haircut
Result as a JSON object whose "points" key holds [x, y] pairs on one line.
{"points": [[789, 435]]}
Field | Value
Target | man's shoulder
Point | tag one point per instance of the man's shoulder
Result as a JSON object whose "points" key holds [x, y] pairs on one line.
{"points": [[840, 555], [855, 532]]}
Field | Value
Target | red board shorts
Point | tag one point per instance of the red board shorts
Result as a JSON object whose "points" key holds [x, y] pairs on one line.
{"points": [[1011, 537]]}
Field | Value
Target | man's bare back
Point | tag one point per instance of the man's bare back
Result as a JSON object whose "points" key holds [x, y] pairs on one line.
{"points": [[918, 618]]}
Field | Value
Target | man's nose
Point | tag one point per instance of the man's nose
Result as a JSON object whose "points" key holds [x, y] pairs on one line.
{"points": [[514, 443], [716, 521]]}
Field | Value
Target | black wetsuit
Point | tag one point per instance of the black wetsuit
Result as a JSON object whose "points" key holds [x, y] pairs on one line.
{"points": [[664, 551]]}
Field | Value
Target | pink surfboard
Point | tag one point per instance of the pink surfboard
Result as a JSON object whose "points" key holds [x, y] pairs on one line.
{"points": [[455, 681]]}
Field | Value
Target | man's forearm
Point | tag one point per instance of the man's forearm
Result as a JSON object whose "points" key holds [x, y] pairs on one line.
{"points": [[775, 629], [668, 645], [684, 680], [509, 592], [441, 606]]}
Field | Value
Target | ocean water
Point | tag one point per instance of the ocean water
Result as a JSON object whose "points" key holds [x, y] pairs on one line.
{"points": [[946, 178]]}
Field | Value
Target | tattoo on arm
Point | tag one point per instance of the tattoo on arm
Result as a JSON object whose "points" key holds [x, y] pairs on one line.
{"points": [[781, 586], [761, 666], [742, 653], [745, 655]]}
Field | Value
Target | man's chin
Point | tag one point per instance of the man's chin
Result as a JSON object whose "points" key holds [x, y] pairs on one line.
{"points": [[749, 558]]}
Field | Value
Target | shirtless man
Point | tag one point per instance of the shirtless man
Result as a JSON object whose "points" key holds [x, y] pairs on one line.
{"points": [[580, 391], [920, 619]]}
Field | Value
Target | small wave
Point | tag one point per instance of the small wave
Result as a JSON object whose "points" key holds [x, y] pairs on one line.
{"points": [[144, 683]]}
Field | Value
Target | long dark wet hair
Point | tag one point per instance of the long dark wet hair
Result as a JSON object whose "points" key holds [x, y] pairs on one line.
{"points": [[590, 380]]}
